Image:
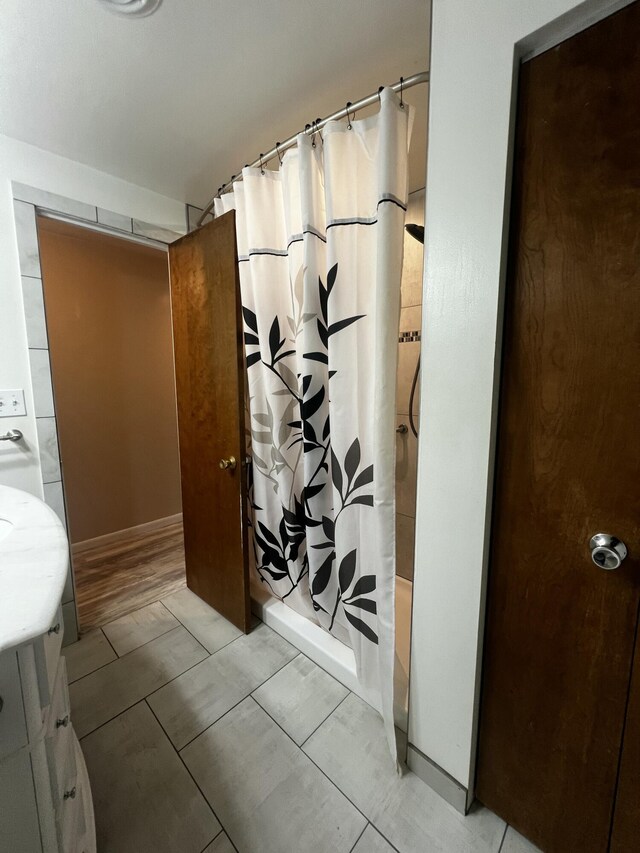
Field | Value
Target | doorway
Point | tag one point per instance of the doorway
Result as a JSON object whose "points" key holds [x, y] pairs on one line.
{"points": [[559, 715], [108, 314]]}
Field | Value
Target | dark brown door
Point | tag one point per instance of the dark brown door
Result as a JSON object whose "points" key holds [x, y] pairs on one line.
{"points": [[560, 631], [207, 332]]}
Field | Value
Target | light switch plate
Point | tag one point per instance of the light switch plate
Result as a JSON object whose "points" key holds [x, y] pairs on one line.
{"points": [[12, 403]]}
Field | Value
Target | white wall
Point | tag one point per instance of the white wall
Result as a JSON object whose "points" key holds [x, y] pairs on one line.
{"points": [[19, 465], [471, 89]]}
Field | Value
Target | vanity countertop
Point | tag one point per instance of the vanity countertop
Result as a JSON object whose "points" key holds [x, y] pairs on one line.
{"points": [[34, 559]]}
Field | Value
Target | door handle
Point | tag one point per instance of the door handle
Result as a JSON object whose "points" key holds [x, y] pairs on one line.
{"points": [[607, 551], [229, 463]]}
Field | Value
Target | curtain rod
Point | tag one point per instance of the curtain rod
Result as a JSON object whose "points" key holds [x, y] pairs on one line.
{"points": [[348, 110]]}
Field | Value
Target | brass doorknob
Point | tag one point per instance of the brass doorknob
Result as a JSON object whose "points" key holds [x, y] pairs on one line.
{"points": [[228, 463]]}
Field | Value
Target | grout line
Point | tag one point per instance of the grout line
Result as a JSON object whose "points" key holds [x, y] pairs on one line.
{"points": [[359, 837], [504, 835], [331, 781], [199, 642], [141, 699], [326, 718], [112, 646], [184, 764], [217, 835], [233, 707]]}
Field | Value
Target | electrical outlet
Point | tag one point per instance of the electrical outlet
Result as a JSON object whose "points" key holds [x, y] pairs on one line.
{"points": [[12, 403]]}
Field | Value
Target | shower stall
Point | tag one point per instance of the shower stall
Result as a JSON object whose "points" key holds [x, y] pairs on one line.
{"points": [[328, 652]]}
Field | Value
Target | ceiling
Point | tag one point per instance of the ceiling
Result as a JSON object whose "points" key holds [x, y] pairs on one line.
{"points": [[179, 101]]}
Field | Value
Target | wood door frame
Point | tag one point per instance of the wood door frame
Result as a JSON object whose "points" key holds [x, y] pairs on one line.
{"points": [[443, 740], [30, 202]]}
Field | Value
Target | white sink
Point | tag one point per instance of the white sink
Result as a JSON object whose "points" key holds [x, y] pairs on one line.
{"points": [[5, 527], [34, 558]]}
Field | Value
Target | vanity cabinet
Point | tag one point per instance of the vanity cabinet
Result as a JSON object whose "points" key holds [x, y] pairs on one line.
{"points": [[45, 797]]}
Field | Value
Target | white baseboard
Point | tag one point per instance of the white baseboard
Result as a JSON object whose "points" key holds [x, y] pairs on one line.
{"points": [[127, 533]]}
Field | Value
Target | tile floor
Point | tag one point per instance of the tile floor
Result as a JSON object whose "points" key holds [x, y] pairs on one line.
{"points": [[199, 739]]}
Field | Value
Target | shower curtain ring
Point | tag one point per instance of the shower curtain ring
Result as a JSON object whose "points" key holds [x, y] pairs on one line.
{"points": [[401, 84], [278, 152], [261, 164], [349, 125], [380, 88]]}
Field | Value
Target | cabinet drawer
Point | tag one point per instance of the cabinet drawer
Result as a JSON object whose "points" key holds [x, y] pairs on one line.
{"points": [[69, 818], [47, 649], [60, 738], [13, 729]]}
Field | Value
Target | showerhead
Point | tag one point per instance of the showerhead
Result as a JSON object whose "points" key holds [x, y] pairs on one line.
{"points": [[416, 231]]}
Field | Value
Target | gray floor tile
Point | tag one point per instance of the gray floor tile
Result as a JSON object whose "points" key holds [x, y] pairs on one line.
{"points": [[299, 697], [143, 795], [101, 695], [87, 654], [221, 844], [267, 794], [128, 632], [351, 749], [192, 702], [372, 842], [207, 626], [516, 843]]}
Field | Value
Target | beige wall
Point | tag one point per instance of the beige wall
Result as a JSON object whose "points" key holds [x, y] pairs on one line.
{"points": [[109, 326]]}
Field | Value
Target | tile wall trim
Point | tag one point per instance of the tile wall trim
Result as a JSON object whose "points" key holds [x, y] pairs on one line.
{"points": [[438, 779], [27, 202]]}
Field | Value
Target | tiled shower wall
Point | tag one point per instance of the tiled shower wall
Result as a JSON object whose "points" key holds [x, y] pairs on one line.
{"points": [[408, 354]]}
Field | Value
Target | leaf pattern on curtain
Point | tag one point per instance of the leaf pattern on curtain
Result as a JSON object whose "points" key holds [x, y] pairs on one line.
{"points": [[320, 244], [278, 549]]}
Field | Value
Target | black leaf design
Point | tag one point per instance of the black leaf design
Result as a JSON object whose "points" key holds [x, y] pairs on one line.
{"points": [[342, 324], [365, 584], [352, 460], [322, 576], [328, 527], [275, 575], [347, 570], [365, 500], [317, 356], [311, 406], [249, 338], [331, 277], [253, 358], [364, 478], [275, 342], [268, 535], [324, 297], [325, 431], [312, 491], [309, 433], [361, 626], [364, 603], [284, 355], [250, 319], [336, 472], [324, 334], [306, 382]]}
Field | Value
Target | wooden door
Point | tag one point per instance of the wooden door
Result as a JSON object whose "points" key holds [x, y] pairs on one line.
{"points": [[207, 332], [559, 630]]}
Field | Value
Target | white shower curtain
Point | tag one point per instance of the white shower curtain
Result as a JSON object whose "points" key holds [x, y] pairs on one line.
{"points": [[320, 245]]}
